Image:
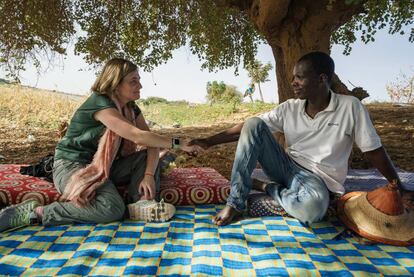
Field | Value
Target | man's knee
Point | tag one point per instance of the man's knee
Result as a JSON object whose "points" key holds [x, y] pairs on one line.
{"points": [[252, 124], [311, 210]]}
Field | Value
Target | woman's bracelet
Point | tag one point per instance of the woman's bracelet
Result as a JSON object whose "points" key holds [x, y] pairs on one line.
{"points": [[149, 174]]}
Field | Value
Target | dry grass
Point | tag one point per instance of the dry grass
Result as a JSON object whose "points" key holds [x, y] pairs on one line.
{"points": [[395, 126], [22, 107]]}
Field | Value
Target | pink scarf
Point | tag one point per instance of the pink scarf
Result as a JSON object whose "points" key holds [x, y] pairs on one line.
{"points": [[82, 185]]}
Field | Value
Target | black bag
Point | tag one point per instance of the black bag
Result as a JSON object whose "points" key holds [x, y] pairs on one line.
{"points": [[43, 169]]}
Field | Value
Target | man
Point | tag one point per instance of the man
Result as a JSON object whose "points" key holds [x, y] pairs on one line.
{"points": [[320, 128]]}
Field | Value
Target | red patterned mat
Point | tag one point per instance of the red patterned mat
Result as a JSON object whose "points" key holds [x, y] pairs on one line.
{"points": [[15, 187], [192, 186], [183, 186]]}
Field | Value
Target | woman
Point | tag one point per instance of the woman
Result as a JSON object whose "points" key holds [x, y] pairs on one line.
{"points": [[99, 151]]}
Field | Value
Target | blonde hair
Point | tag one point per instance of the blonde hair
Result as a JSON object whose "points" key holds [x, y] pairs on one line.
{"points": [[112, 75]]}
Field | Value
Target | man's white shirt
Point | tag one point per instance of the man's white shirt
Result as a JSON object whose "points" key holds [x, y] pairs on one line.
{"points": [[323, 144]]}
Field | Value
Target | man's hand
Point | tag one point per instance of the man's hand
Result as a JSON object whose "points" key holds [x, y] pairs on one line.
{"points": [[200, 142], [192, 149], [147, 188]]}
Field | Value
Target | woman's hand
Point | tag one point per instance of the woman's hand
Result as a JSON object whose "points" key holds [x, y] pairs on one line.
{"points": [[147, 188]]}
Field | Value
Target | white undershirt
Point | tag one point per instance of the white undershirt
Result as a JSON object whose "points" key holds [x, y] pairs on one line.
{"points": [[323, 144]]}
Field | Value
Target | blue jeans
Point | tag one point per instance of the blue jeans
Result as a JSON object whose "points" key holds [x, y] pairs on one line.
{"points": [[300, 192]]}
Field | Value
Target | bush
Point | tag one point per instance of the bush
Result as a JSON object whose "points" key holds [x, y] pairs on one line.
{"points": [[222, 93], [401, 91], [179, 102], [4, 81], [153, 100]]}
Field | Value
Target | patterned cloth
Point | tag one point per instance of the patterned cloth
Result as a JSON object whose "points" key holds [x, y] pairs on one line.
{"points": [[16, 188], [191, 245], [183, 186], [194, 186], [261, 204]]}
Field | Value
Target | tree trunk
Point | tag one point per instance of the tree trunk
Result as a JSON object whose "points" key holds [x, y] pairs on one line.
{"points": [[295, 27], [260, 91], [291, 47]]}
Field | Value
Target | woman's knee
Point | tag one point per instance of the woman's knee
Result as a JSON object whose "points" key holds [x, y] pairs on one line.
{"points": [[110, 208]]}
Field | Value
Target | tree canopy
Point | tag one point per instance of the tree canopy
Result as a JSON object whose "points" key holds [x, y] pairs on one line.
{"points": [[145, 32], [376, 15], [221, 33]]}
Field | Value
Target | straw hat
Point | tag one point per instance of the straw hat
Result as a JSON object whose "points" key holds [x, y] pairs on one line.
{"points": [[378, 215]]}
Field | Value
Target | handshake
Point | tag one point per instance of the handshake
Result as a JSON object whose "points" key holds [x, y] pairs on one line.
{"points": [[192, 147]]}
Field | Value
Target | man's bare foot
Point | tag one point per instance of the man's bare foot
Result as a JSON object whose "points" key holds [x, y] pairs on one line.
{"points": [[225, 216], [258, 185]]}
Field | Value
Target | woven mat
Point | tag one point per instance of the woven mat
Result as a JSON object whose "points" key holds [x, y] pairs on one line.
{"points": [[369, 179], [359, 179], [191, 245]]}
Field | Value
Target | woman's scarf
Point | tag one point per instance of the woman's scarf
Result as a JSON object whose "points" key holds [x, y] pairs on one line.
{"points": [[82, 185]]}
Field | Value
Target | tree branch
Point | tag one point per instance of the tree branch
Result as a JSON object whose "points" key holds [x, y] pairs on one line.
{"points": [[340, 88]]}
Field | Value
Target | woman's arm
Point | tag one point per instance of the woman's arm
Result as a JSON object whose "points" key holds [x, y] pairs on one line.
{"points": [[147, 187], [152, 152], [113, 120]]}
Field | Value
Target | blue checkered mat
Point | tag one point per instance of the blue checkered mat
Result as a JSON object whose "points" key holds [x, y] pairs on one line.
{"points": [[191, 245]]}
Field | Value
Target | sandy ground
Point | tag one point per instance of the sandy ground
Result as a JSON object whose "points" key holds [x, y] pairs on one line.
{"points": [[395, 125]]}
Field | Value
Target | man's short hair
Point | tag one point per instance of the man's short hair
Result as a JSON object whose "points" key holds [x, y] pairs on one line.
{"points": [[321, 63]]}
